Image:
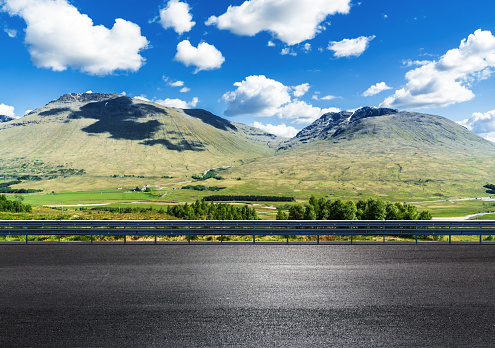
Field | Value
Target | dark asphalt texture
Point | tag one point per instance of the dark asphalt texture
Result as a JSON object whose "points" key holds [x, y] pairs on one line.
{"points": [[247, 296]]}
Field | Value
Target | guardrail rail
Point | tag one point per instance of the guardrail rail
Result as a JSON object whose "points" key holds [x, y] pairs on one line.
{"points": [[287, 228]]}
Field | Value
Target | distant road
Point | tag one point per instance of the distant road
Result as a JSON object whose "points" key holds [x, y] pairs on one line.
{"points": [[248, 296]]}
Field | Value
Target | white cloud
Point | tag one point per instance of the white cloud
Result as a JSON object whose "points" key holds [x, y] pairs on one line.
{"points": [[375, 89], [410, 62], [257, 96], [176, 84], [329, 97], [301, 90], [290, 21], [307, 47], [271, 44], [350, 47], [281, 130], [264, 97], [176, 15], [89, 92], [178, 103], [285, 51], [204, 57], [10, 32], [482, 124], [58, 36], [448, 80], [301, 112], [142, 97], [7, 110], [184, 90], [123, 93]]}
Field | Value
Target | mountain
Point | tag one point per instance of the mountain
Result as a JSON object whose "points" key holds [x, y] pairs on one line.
{"points": [[378, 152], [4, 118], [101, 135]]}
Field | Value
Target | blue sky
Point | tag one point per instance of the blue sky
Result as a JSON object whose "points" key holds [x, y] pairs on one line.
{"points": [[276, 64]]}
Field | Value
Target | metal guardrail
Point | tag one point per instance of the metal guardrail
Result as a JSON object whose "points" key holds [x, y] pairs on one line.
{"points": [[246, 227]]}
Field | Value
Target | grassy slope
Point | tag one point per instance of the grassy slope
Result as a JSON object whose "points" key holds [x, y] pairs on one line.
{"points": [[56, 140], [381, 156]]}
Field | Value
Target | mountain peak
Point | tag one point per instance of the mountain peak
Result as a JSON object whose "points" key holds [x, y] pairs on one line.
{"points": [[84, 97], [333, 122]]}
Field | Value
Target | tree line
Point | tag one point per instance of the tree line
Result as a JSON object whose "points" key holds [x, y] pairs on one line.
{"points": [[201, 210], [7, 205], [370, 209], [249, 198]]}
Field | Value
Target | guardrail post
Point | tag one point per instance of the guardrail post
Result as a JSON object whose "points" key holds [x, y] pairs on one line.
{"points": [[125, 239], [450, 239], [318, 239], [26, 238], [480, 238], [155, 237], [254, 239], [384, 238], [221, 238], [416, 239], [188, 239], [91, 238], [351, 238], [287, 239]]}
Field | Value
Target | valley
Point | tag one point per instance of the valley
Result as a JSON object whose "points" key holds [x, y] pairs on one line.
{"points": [[96, 148]]}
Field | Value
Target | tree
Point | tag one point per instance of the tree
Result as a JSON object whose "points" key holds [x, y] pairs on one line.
{"points": [[296, 212], [281, 215], [375, 210], [309, 212]]}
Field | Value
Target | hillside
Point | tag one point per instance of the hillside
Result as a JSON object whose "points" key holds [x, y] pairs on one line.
{"points": [[377, 152], [80, 140]]}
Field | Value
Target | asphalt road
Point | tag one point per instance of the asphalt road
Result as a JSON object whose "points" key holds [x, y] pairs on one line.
{"points": [[247, 296]]}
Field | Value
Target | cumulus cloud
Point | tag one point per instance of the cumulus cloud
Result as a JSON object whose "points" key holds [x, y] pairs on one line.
{"points": [[264, 97], [290, 21], [375, 89], [58, 36], [448, 80], [178, 103], [301, 90], [281, 130], [307, 47], [270, 44], [350, 47], [7, 110], [176, 15], [482, 124], [302, 112], [257, 96], [184, 90], [204, 57]]}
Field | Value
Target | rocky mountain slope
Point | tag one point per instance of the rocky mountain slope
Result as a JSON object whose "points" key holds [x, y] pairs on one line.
{"points": [[4, 118], [375, 152]]}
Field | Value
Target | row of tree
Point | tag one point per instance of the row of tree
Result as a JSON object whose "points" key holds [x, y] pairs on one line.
{"points": [[371, 209], [200, 210], [251, 198], [13, 206]]}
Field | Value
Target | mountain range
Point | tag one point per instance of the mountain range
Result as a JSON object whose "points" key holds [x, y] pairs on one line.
{"points": [[80, 141]]}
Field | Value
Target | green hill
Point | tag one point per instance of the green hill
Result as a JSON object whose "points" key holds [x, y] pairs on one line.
{"points": [[81, 140], [377, 152]]}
